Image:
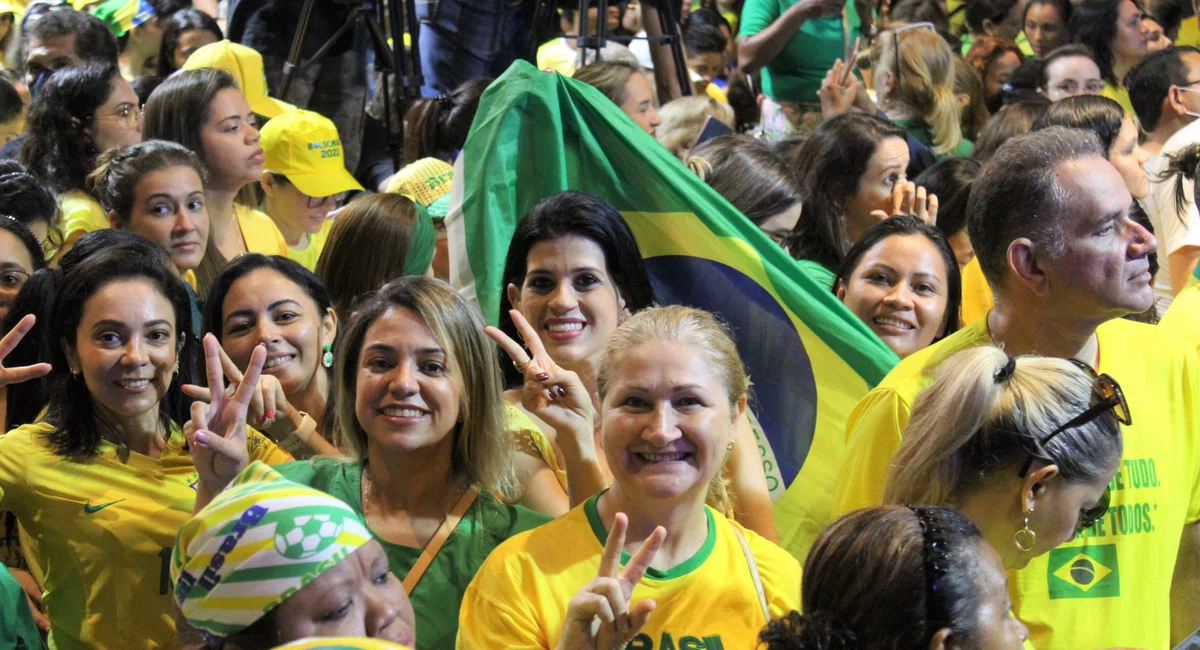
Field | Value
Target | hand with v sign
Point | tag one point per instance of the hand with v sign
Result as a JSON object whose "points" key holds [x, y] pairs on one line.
{"points": [[600, 616], [216, 433]]}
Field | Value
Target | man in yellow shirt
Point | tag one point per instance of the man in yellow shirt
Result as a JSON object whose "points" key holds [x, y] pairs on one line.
{"points": [[1051, 228]]}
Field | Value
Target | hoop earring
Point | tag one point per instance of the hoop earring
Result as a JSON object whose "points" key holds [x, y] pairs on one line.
{"points": [[1025, 535], [327, 358]]}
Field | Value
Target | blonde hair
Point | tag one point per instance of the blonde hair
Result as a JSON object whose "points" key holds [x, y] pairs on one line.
{"points": [[703, 332], [609, 77], [973, 421], [926, 81], [482, 447], [683, 120]]}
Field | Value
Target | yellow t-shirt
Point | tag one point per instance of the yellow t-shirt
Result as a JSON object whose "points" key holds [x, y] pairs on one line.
{"points": [[316, 243], [259, 232], [81, 214], [977, 298], [1120, 96], [104, 531], [707, 602], [1189, 33], [1183, 316], [1111, 586]]}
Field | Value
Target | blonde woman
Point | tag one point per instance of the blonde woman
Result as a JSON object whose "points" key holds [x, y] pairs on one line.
{"points": [[429, 463], [913, 69], [628, 86], [683, 119], [1025, 447], [671, 390]]}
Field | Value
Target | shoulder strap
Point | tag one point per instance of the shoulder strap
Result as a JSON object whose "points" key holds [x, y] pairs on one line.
{"points": [[439, 538], [754, 574]]}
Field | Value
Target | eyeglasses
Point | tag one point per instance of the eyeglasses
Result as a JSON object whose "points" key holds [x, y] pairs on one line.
{"points": [[319, 201], [127, 115], [1092, 87], [11, 281], [1111, 398], [896, 43]]}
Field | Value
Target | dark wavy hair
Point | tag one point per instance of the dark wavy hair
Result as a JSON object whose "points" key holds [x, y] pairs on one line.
{"points": [[902, 225], [26, 199], [184, 20], [57, 146], [214, 307], [576, 214], [1094, 24], [867, 582], [76, 420], [829, 166]]}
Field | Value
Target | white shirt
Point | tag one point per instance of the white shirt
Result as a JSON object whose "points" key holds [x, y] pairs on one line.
{"points": [[1174, 229]]}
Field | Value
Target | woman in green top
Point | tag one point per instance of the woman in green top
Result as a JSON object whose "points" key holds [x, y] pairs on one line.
{"points": [[794, 43], [913, 70], [422, 421]]}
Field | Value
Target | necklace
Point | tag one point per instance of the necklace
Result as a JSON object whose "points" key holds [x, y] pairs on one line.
{"points": [[368, 484]]}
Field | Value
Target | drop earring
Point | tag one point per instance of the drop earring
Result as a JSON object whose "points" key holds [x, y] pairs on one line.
{"points": [[1025, 539], [327, 358]]}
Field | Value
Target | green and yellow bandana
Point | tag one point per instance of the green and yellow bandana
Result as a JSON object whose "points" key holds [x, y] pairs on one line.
{"points": [[256, 544]]}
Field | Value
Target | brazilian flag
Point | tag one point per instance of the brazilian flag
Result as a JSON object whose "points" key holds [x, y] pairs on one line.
{"points": [[811, 360]]}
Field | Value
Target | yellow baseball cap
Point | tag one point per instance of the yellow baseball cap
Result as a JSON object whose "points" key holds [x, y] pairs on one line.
{"points": [[246, 66], [424, 181], [305, 147]]}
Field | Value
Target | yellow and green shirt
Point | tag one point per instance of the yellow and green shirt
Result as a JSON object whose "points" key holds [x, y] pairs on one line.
{"points": [[308, 256], [104, 528], [1109, 587], [436, 597], [708, 602]]}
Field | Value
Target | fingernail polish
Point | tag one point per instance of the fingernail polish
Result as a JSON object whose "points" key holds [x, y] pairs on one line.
{"points": [[271, 414], [562, 392], [200, 438], [541, 376]]}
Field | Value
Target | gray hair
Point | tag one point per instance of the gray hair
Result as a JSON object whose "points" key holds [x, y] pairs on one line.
{"points": [[1019, 194]]}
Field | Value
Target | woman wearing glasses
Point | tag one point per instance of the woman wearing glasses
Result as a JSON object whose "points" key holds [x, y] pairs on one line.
{"points": [[80, 112], [304, 179], [20, 256], [1025, 447], [913, 70]]}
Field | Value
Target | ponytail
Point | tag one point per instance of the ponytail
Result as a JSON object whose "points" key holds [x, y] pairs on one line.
{"points": [[1182, 165], [944, 121], [438, 127], [986, 411]]}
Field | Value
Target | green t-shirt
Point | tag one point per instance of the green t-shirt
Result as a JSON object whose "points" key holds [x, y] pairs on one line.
{"points": [[438, 596], [920, 131], [17, 631], [795, 75]]}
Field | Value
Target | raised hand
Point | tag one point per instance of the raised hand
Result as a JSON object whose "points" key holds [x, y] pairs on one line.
{"points": [[217, 431], [599, 616], [907, 198], [555, 395], [269, 410], [8, 344]]}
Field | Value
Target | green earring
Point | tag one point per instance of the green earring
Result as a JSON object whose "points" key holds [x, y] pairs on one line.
{"points": [[327, 358]]}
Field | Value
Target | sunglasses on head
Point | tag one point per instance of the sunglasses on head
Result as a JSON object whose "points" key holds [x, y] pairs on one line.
{"points": [[1111, 399]]}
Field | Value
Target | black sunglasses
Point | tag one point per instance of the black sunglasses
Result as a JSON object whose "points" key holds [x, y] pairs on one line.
{"points": [[1111, 398]]}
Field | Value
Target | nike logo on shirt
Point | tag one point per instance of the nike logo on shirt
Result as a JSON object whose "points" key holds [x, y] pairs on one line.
{"points": [[91, 509]]}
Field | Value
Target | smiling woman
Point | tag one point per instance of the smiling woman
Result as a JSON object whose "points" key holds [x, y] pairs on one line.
{"points": [[902, 280], [430, 462], [672, 388], [105, 480]]}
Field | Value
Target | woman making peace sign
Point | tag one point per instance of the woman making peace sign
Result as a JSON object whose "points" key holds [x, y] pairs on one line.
{"points": [[671, 388], [104, 482]]}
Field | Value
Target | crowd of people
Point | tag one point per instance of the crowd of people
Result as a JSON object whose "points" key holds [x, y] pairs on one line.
{"points": [[246, 408]]}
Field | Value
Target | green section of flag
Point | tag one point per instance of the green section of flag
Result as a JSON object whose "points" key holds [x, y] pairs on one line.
{"points": [[1084, 572]]}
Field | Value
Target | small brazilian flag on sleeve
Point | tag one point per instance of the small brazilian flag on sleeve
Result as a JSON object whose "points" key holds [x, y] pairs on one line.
{"points": [[810, 359]]}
